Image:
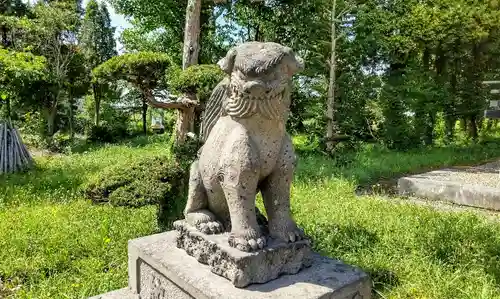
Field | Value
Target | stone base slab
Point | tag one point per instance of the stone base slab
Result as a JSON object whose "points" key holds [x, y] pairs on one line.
{"points": [[119, 294], [160, 270], [243, 268], [443, 185]]}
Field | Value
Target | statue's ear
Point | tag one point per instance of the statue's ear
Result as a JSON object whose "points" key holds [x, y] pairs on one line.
{"points": [[227, 63]]}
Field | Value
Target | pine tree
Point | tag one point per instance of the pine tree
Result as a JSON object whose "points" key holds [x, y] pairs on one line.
{"points": [[98, 44], [108, 44]]}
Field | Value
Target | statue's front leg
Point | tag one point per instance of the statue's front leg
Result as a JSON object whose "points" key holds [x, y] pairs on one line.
{"points": [[239, 181], [196, 212], [276, 194]]}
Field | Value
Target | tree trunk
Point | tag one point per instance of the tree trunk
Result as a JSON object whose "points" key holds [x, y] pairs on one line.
{"points": [[479, 123], [191, 34], [51, 121], [185, 119], [5, 42], [463, 124], [473, 132], [144, 115], [97, 103], [50, 114], [331, 126], [185, 116], [420, 127], [71, 118], [428, 136], [183, 124], [449, 110], [429, 132]]}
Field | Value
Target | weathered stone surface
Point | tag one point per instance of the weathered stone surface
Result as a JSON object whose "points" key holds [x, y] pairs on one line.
{"points": [[325, 279], [243, 268], [247, 149], [471, 186], [160, 270], [119, 294]]}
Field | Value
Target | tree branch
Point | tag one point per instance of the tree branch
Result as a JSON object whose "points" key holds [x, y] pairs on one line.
{"points": [[179, 103]]}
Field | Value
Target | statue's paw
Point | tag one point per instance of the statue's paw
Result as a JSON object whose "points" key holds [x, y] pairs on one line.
{"points": [[247, 241], [288, 233], [205, 221], [210, 228]]}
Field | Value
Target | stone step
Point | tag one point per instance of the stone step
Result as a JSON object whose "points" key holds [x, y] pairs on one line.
{"points": [[473, 186]]}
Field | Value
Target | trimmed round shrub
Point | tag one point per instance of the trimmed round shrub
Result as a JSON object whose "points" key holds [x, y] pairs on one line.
{"points": [[100, 134], [146, 181], [142, 68], [158, 180], [108, 133], [199, 79]]}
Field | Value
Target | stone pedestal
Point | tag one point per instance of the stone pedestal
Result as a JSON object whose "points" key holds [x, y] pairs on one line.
{"points": [[243, 268], [159, 269]]}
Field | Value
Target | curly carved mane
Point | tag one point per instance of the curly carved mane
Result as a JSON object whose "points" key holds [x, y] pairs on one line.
{"points": [[253, 60]]}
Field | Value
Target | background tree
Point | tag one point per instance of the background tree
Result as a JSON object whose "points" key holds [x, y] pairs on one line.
{"points": [[98, 44], [196, 16], [403, 73], [145, 70], [17, 71], [53, 35], [195, 84], [190, 56], [77, 86]]}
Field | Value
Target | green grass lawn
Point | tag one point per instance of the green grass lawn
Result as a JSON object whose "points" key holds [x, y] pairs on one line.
{"points": [[56, 244]]}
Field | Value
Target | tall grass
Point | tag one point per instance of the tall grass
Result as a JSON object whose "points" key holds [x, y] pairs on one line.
{"points": [[56, 244]]}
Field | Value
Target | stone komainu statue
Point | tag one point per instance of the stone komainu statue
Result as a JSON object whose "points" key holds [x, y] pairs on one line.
{"points": [[246, 149]]}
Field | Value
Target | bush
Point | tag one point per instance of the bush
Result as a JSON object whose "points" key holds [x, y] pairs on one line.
{"points": [[158, 180], [59, 142], [99, 134], [186, 153], [199, 79], [108, 132], [139, 65], [143, 182]]}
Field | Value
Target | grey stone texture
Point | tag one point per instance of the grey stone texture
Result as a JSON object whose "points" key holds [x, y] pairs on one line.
{"points": [[124, 293], [247, 149], [470, 186], [160, 270], [243, 268]]}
